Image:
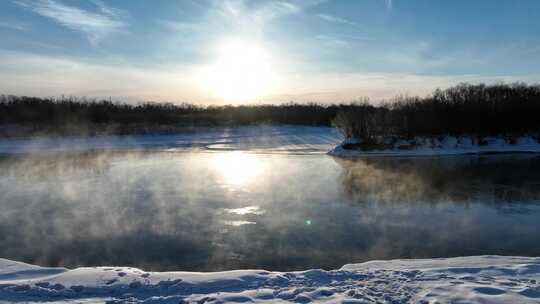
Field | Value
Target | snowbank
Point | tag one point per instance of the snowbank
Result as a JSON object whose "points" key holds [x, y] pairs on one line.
{"points": [[482, 279], [447, 145]]}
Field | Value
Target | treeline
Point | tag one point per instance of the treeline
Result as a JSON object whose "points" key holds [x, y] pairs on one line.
{"points": [[480, 110], [32, 115], [50, 111], [464, 109]]}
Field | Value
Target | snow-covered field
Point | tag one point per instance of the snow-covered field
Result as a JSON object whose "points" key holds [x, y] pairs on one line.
{"points": [[448, 145], [482, 279], [263, 139]]}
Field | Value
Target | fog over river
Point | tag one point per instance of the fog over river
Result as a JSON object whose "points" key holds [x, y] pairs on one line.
{"points": [[203, 209]]}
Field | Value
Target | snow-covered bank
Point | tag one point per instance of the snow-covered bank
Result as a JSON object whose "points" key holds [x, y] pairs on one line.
{"points": [[447, 145], [266, 139], [482, 279]]}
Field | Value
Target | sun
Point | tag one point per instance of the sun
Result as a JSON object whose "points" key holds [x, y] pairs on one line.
{"points": [[242, 72]]}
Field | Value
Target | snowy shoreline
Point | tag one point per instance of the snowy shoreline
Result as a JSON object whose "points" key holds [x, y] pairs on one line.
{"points": [[444, 146], [480, 279]]}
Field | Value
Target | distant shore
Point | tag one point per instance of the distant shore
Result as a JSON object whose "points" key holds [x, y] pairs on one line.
{"points": [[435, 146], [22, 116]]}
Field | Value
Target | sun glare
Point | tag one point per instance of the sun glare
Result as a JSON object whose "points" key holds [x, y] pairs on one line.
{"points": [[237, 168], [241, 73]]}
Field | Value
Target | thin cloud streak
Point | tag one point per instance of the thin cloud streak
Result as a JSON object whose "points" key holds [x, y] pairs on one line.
{"points": [[334, 19], [41, 75], [13, 25], [110, 11], [235, 18], [334, 42], [178, 26], [258, 16], [94, 25], [278, 9]]}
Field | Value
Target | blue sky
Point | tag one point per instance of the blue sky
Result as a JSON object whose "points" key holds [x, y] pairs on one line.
{"points": [[306, 50]]}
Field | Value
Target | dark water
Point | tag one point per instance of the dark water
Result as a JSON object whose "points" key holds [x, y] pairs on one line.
{"points": [[215, 211]]}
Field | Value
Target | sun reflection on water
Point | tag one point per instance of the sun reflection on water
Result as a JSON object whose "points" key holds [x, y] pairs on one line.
{"points": [[256, 210], [237, 168], [239, 223]]}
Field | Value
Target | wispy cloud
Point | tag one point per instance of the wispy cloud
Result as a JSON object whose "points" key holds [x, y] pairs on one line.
{"points": [[94, 25], [278, 9], [41, 75], [245, 17], [334, 42], [259, 15], [335, 19], [107, 10], [240, 17], [389, 4], [13, 25], [179, 26], [37, 75]]}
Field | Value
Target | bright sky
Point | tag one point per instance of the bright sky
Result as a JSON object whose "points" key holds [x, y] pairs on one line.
{"points": [[210, 52]]}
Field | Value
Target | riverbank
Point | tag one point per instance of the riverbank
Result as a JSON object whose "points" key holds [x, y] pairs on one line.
{"points": [[434, 146], [481, 279]]}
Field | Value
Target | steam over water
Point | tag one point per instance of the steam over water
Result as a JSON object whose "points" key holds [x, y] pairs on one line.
{"points": [[229, 210]]}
